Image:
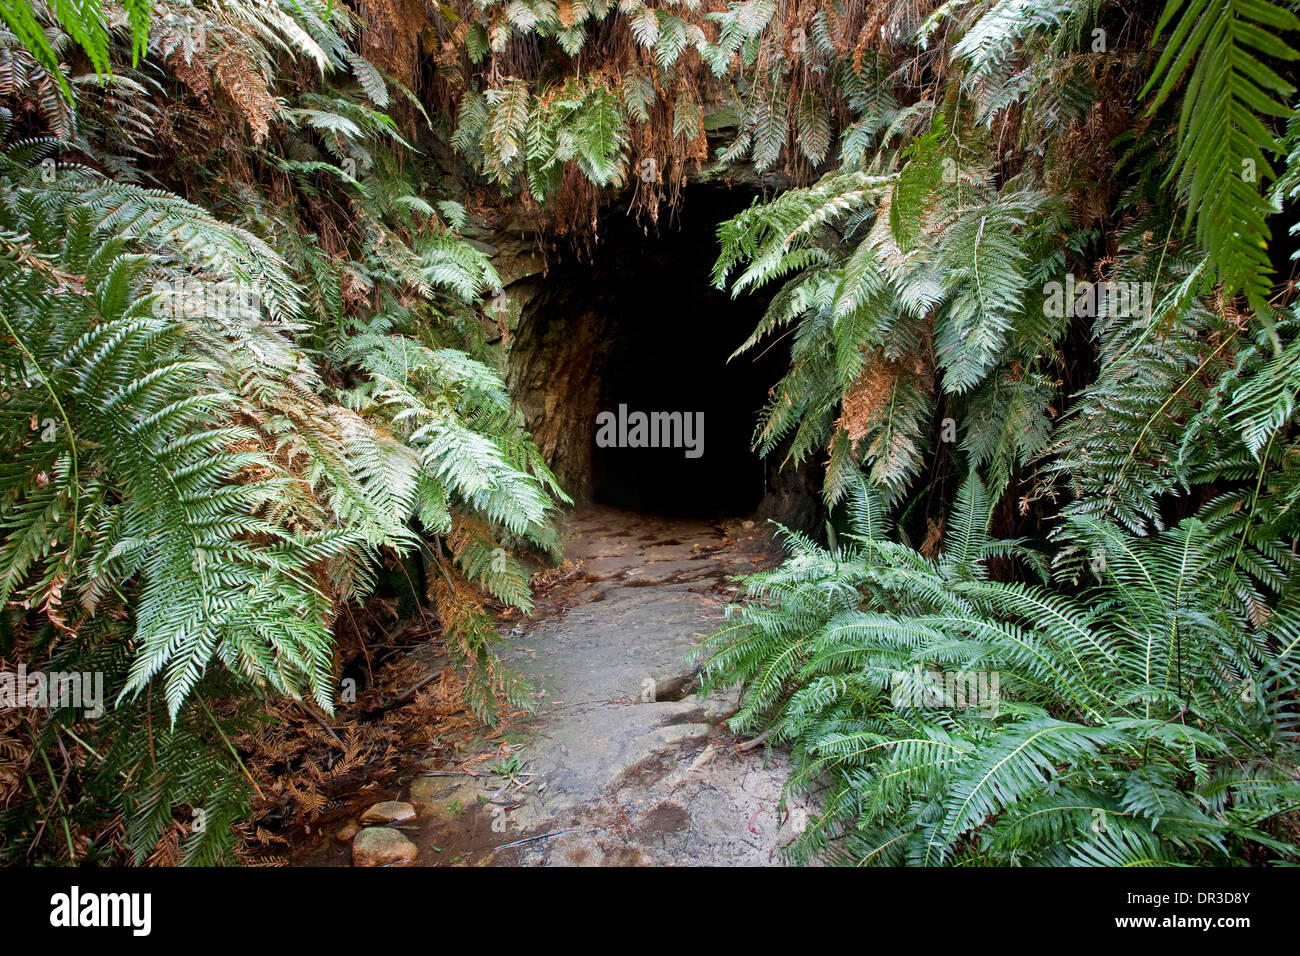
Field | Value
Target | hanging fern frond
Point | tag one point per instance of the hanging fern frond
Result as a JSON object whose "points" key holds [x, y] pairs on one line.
{"points": [[1225, 149]]}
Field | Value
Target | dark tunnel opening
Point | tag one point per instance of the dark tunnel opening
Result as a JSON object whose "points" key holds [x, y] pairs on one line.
{"points": [[627, 349], [667, 380]]}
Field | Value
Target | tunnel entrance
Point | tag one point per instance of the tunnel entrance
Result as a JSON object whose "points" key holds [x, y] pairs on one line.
{"points": [[672, 333], [620, 363]]}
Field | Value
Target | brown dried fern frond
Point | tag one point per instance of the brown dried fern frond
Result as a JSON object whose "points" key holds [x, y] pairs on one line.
{"points": [[244, 83]]}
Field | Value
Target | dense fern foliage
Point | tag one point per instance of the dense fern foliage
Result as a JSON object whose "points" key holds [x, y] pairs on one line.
{"points": [[1137, 722], [219, 422], [1029, 259], [1040, 297]]}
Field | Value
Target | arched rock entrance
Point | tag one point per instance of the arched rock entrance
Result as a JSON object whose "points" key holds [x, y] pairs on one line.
{"points": [[634, 329]]}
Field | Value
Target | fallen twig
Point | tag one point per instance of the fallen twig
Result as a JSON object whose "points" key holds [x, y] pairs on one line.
{"points": [[447, 773], [401, 698], [543, 836], [321, 720], [579, 703], [751, 744]]}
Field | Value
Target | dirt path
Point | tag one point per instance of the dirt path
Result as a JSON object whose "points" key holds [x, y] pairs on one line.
{"points": [[622, 764]]}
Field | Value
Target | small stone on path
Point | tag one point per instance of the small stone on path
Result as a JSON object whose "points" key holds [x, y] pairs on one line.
{"points": [[390, 811], [382, 846]]}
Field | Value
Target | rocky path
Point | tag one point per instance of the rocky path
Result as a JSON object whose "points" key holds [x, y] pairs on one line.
{"points": [[621, 764]]}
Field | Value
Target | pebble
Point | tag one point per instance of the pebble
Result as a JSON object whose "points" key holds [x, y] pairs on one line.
{"points": [[382, 846], [345, 833], [390, 811]]}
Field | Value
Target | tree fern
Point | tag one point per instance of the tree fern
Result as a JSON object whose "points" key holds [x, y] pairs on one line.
{"points": [[1225, 148]]}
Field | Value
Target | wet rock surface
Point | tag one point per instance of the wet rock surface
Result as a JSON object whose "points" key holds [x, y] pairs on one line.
{"points": [[388, 811], [620, 762], [623, 764], [382, 846]]}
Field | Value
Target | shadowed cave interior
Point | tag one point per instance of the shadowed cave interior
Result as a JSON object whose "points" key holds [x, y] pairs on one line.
{"points": [[637, 323]]}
